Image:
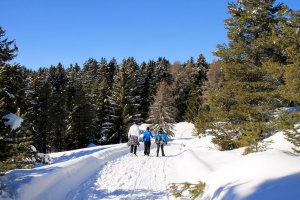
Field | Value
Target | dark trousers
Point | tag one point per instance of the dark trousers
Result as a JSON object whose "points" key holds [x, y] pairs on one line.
{"points": [[162, 149], [133, 149], [147, 145]]}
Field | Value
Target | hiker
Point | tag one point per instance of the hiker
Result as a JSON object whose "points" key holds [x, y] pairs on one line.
{"points": [[160, 140], [147, 141], [133, 138]]}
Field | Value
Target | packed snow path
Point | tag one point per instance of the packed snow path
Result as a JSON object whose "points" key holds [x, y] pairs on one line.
{"points": [[128, 177], [134, 177]]}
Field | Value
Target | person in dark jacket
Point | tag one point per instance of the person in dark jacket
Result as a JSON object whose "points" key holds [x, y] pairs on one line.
{"points": [[160, 140], [147, 141]]}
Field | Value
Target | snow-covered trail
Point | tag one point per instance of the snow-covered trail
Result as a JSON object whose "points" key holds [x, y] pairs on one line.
{"points": [[144, 177], [132, 177]]}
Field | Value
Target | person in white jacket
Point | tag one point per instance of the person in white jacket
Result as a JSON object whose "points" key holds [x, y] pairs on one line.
{"points": [[133, 138]]}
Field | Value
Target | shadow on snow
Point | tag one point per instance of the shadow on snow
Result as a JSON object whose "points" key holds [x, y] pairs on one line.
{"points": [[138, 194], [69, 156], [276, 189]]}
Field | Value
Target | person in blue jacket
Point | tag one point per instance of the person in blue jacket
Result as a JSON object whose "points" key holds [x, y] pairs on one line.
{"points": [[160, 140], [147, 141]]}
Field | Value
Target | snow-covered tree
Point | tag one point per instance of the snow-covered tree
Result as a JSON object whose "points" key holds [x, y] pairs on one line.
{"points": [[81, 115], [15, 141], [123, 107]]}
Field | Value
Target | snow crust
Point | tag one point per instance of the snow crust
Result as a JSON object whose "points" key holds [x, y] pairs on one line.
{"points": [[110, 172]]}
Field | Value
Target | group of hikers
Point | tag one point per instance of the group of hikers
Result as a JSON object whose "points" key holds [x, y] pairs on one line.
{"points": [[160, 139]]}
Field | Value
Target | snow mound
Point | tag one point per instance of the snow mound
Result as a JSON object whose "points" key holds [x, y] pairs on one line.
{"points": [[183, 130], [278, 142], [91, 145]]}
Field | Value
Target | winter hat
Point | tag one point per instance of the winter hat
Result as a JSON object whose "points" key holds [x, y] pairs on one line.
{"points": [[160, 130]]}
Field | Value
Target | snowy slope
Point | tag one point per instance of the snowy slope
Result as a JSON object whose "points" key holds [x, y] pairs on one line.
{"points": [[110, 172]]}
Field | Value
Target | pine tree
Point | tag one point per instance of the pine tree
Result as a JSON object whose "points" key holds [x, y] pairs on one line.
{"points": [[250, 87], [181, 86], [290, 41], [198, 77], [57, 108], [211, 88], [148, 86], [161, 72], [163, 111], [41, 101], [106, 87], [90, 74], [7, 51], [81, 114], [133, 94], [14, 151], [144, 90], [291, 44], [117, 115], [11, 85], [123, 108]]}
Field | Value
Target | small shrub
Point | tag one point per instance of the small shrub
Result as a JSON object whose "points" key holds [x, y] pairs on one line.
{"points": [[194, 190]]}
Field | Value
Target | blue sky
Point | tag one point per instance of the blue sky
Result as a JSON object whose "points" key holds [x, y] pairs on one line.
{"points": [[69, 31]]}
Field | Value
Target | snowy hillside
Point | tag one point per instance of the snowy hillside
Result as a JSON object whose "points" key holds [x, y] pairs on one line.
{"points": [[110, 172]]}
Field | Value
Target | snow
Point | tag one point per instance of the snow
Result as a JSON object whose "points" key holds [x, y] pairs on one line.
{"points": [[33, 149], [91, 145], [14, 121], [10, 95], [110, 172]]}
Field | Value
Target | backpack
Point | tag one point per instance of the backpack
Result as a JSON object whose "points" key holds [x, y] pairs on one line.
{"points": [[158, 139]]}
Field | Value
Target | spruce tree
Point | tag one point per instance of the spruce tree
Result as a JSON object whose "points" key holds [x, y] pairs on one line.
{"points": [[81, 114], [90, 74], [197, 78], [150, 84], [57, 108], [8, 48], [144, 90], [211, 88], [117, 114], [250, 62], [11, 101], [15, 141], [290, 41], [124, 103], [41, 93], [161, 72], [181, 86]]}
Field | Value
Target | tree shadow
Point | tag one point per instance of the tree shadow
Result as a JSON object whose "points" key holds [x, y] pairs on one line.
{"points": [[15, 179], [138, 194], [69, 156], [276, 189]]}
